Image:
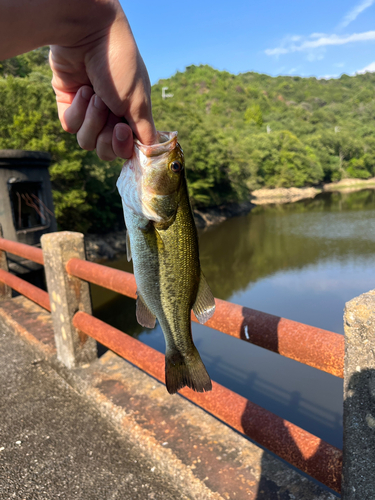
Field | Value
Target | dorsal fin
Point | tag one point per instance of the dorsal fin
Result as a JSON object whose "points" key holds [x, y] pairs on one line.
{"points": [[204, 306]]}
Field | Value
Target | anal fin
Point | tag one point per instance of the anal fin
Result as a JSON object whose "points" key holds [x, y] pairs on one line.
{"points": [[204, 306], [144, 315]]}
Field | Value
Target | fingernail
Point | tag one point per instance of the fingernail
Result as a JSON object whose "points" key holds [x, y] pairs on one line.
{"points": [[86, 93], [99, 104], [122, 134]]}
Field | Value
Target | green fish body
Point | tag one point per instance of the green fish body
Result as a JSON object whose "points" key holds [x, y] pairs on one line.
{"points": [[163, 243]]}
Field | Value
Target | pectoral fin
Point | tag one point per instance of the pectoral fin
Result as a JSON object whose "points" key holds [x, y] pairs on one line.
{"points": [[159, 239], [144, 315], [128, 249], [204, 306]]}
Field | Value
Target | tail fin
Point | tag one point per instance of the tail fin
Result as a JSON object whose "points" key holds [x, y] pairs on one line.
{"points": [[182, 370]]}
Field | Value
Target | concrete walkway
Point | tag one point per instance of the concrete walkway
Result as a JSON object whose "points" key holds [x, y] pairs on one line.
{"points": [[108, 431], [55, 446]]}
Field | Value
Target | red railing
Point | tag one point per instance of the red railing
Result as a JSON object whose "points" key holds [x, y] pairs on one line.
{"points": [[30, 291], [21, 250], [312, 346]]}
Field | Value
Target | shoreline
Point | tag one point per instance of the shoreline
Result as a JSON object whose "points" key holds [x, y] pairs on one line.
{"points": [[266, 196], [100, 248]]}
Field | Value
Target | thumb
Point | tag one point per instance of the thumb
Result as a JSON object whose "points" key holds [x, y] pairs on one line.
{"points": [[144, 130]]}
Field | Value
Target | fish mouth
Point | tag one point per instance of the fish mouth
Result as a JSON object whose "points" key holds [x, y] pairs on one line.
{"points": [[145, 181], [167, 141]]}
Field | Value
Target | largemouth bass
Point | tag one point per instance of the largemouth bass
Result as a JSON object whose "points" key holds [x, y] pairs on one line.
{"points": [[163, 243]]}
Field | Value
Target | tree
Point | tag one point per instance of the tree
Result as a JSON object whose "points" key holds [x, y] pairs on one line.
{"points": [[320, 131], [253, 114], [83, 186]]}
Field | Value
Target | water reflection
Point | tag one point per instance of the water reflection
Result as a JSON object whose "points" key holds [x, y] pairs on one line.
{"points": [[244, 250], [302, 261]]}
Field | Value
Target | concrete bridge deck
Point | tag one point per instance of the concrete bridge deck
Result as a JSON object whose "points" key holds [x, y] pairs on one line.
{"points": [[53, 445], [109, 431]]}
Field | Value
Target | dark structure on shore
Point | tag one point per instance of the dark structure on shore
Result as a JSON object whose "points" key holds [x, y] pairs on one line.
{"points": [[26, 208], [26, 205]]}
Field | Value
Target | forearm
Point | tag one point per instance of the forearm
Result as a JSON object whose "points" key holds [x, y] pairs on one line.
{"points": [[28, 24]]}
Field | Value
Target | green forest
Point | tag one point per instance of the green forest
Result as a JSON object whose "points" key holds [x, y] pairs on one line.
{"points": [[238, 132]]}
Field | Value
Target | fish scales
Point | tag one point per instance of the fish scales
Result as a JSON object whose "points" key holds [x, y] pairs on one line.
{"points": [[163, 243]]}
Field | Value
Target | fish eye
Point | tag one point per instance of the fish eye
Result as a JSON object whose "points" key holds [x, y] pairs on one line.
{"points": [[176, 167]]}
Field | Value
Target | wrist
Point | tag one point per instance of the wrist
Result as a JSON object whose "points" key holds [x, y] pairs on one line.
{"points": [[80, 21]]}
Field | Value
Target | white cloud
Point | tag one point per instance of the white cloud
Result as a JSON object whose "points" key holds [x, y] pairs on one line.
{"points": [[317, 35], [276, 52], [327, 77], [310, 44], [295, 38], [370, 68], [316, 55], [354, 13]]}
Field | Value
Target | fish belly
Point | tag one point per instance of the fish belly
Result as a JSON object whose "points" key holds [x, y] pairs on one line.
{"points": [[166, 269]]}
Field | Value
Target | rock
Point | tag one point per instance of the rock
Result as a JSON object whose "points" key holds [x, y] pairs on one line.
{"points": [[283, 195]]}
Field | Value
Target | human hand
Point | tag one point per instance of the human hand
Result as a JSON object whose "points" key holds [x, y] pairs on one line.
{"points": [[98, 80]]}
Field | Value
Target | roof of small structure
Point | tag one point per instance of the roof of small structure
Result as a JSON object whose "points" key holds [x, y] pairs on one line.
{"points": [[11, 157]]}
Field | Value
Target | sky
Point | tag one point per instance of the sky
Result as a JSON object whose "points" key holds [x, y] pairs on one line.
{"points": [[321, 38]]}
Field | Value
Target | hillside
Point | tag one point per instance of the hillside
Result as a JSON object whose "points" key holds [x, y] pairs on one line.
{"points": [[247, 131], [238, 132]]}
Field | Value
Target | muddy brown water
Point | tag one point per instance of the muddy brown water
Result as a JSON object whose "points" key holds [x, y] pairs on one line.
{"points": [[302, 261]]}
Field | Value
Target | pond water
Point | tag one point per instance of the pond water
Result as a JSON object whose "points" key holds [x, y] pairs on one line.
{"points": [[302, 261]]}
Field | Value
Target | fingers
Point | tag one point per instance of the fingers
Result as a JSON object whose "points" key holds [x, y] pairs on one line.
{"points": [[93, 123], [145, 131], [139, 117], [72, 111], [96, 127], [115, 140], [104, 147], [122, 140]]}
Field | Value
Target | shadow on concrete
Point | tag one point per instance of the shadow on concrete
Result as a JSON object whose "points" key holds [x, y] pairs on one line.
{"points": [[359, 436], [277, 488]]}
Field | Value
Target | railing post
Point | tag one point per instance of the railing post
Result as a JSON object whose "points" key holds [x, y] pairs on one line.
{"points": [[67, 295], [5, 291], [359, 398]]}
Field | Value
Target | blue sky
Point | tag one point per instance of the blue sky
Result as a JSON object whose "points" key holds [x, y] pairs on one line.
{"points": [[301, 37]]}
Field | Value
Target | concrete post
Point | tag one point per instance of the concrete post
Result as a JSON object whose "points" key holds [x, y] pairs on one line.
{"points": [[67, 295], [359, 399], [5, 290]]}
